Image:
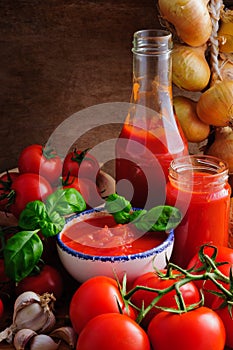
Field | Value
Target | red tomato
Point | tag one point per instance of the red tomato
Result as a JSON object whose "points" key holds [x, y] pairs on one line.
{"points": [[81, 164], [48, 280], [113, 331], [86, 187], [6, 181], [96, 296], [189, 292], [224, 254], [36, 159], [200, 329], [27, 188], [227, 319]]}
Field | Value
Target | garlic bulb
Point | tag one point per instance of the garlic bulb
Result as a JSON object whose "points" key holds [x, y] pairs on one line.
{"points": [[31, 311]]}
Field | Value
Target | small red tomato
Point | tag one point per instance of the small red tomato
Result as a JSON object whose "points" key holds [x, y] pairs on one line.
{"points": [[81, 164], [6, 181], [27, 188], [48, 280], [112, 331], [189, 292], [86, 187], [200, 329], [40, 160], [224, 314], [96, 296], [224, 254]]}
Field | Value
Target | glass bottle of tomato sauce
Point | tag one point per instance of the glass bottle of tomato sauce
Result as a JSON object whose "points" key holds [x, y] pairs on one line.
{"points": [[198, 186], [150, 137]]}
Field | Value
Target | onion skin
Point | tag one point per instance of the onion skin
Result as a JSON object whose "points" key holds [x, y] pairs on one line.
{"points": [[194, 129], [190, 18], [190, 70], [225, 32], [222, 147], [215, 105], [226, 69]]}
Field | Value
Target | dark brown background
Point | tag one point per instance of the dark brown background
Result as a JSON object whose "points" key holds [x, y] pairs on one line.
{"points": [[59, 57]]}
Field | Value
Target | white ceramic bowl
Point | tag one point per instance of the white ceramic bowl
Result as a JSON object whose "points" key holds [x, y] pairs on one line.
{"points": [[83, 266]]}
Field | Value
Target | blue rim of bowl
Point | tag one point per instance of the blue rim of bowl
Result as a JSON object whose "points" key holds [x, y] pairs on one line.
{"points": [[142, 255]]}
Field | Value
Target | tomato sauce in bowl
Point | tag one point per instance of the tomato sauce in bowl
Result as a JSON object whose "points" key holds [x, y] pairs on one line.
{"points": [[92, 244], [102, 236]]}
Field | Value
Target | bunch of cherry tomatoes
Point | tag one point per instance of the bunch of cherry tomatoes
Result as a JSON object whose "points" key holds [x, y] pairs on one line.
{"points": [[41, 171], [106, 315]]}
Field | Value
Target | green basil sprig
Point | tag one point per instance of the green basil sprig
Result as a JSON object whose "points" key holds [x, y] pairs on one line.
{"points": [[23, 250], [159, 218]]}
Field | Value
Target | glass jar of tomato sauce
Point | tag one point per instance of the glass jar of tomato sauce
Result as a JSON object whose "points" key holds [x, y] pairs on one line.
{"points": [[198, 186], [151, 136]]}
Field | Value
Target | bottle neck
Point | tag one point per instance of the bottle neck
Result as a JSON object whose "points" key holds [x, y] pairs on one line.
{"points": [[152, 71]]}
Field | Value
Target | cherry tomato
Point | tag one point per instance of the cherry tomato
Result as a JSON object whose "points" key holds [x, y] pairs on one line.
{"points": [[224, 254], [96, 296], [36, 159], [81, 164], [48, 280], [112, 331], [27, 188], [189, 292], [226, 317], [6, 181], [86, 187], [200, 329]]}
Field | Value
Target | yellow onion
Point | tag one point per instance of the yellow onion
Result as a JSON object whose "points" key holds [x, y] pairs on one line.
{"points": [[226, 70], [194, 129], [222, 147], [225, 32], [190, 18], [190, 70], [215, 105]]}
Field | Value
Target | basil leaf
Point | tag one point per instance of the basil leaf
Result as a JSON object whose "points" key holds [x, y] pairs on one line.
{"points": [[53, 225], [160, 218], [21, 253], [32, 215], [121, 217], [115, 203], [65, 202]]}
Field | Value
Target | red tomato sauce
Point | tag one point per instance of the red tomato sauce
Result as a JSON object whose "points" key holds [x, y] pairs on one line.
{"points": [[146, 169], [205, 220], [102, 236]]}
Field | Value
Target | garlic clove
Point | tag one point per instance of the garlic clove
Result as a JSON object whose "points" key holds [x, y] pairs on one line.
{"points": [[67, 334], [22, 337], [43, 341], [49, 324], [25, 299]]}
